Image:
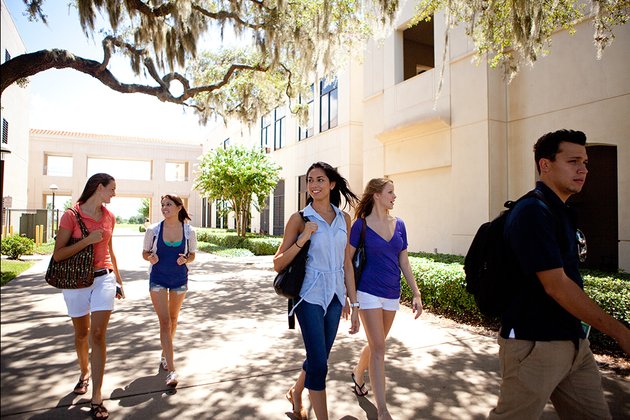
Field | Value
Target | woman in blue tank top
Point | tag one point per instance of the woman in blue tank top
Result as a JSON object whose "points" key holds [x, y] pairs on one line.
{"points": [[169, 246], [323, 293]]}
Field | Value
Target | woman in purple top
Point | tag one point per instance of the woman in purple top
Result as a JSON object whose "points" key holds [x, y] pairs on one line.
{"points": [[378, 290]]}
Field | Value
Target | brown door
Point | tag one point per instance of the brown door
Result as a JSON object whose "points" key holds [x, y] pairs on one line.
{"points": [[596, 208]]}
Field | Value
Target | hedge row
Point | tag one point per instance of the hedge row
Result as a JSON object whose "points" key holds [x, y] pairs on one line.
{"points": [[257, 244], [442, 285]]}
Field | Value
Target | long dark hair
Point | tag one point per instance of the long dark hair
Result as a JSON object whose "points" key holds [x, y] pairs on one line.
{"points": [[183, 213], [92, 184], [341, 186], [365, 206]]}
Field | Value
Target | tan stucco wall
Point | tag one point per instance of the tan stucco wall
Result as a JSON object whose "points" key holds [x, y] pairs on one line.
{"points": [[82, 146], [455, 161]]}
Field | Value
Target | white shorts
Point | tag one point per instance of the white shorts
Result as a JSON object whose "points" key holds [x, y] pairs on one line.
{"points": [[98, 297], [368, 301]]}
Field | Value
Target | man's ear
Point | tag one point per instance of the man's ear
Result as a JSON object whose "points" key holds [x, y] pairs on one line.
{"points": [[544, 164]]}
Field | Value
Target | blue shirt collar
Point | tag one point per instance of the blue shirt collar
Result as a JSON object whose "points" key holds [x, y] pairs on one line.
{"points": [[310, 211]]}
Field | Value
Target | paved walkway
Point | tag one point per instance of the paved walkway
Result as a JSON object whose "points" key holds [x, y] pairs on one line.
{"points": [[235, 355]]}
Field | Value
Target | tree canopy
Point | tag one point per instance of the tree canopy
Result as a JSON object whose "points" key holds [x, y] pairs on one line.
{"points": [[237, 175], [281, 44], [514, 32], [178, 44]]}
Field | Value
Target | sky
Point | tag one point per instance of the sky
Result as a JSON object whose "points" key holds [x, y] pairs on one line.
{"points": [[72, 101]]}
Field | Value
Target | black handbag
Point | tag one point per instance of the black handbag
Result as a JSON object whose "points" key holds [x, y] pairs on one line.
{"points": [[288, 282], [77, 271], [358, 259]]}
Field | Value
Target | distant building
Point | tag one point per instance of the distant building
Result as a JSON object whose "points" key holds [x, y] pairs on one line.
{"points": [[143, 168], [14, 124], [455, 161]]}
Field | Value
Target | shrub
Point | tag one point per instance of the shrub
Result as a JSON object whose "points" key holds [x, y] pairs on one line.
{"points": [[15, 246], [441, 281], [443, 289], [257, 244], [263, 245], [141, 228]]}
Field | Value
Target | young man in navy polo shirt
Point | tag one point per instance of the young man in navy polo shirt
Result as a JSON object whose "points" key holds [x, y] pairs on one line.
{"points": [[544, 352]]}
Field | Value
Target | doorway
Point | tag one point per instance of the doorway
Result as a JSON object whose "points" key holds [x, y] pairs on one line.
{"points": [[597, 209]]}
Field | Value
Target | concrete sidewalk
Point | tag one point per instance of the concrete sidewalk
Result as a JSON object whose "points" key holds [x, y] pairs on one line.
{"points": [[235, 356]]}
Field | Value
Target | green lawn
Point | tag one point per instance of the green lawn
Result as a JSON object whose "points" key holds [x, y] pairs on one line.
{"points": [[12, 268]]}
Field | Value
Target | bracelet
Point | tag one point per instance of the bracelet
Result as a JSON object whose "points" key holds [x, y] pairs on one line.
{"points": [[297, 245], [355, 305]]}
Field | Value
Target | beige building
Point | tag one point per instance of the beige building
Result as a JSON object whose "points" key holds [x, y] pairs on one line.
{"points": [[15, 124], [143, 168], [455, 160]]}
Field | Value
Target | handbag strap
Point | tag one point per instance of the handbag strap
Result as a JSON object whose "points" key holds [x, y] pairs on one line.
{"points": [[362, 238], [84, 231]]}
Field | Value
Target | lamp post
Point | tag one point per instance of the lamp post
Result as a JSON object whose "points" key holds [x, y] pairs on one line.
{"points": [[53, 188]]}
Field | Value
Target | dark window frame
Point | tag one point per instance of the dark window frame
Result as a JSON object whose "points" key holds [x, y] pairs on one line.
{"points": [[279, 115], [308, 131], [265, 126], [5, 131], [328, 104]]}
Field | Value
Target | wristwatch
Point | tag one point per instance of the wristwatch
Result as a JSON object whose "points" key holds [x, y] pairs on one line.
{"points": [[355, 305]]}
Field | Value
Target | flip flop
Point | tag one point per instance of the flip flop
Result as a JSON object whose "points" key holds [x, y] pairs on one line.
{"points": [[359, 390]]}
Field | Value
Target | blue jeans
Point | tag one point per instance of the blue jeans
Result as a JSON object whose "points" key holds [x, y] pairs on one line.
{"points": [[318, 332]]}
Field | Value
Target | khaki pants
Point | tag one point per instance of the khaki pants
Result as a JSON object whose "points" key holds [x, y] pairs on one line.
{"points": [[535, 371]]}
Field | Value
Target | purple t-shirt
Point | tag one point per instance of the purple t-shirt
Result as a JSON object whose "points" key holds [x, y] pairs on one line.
{"points": [[381, 274]]}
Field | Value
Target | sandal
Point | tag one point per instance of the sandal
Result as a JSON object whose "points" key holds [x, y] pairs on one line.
{"points": [[359, 390], [300, 414], [82, 386], [98, 411]]}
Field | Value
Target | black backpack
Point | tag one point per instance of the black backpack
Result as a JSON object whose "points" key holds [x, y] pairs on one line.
{"points": [[489, 265]]}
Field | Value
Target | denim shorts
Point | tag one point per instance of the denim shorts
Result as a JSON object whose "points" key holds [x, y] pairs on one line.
{"points": [[154, 287], [368, 301]]}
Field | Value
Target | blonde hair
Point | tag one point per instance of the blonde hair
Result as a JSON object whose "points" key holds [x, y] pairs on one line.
{"points": [[366, 204]]}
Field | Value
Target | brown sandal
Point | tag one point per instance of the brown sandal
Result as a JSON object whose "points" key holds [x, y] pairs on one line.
{"points": [[98, 411], [300, 414], [82, 386]]}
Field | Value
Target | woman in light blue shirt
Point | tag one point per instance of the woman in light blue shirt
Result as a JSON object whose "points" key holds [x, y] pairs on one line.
{"points": [[326, 284]]}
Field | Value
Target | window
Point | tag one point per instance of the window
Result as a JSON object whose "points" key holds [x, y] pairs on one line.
{"points": [[176, 171], [418, 49], [139, 170], [278, 208], [206, 212], [302, 192], [57, 165], [328, 107], [221, 214], [307, 131], [264, 217], [278, 127], [265, 123], [226, 143], [5, 131]]}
